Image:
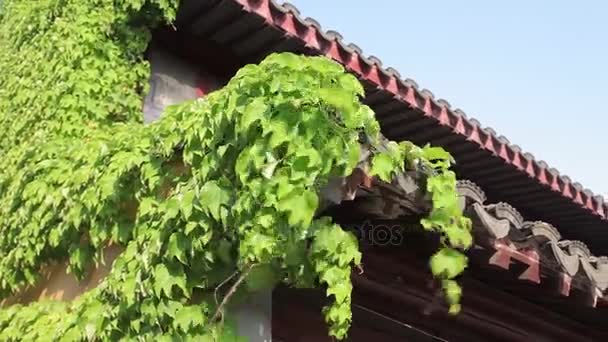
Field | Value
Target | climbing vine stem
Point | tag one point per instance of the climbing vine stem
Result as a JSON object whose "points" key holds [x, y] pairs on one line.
{"points": [[211, 189]]}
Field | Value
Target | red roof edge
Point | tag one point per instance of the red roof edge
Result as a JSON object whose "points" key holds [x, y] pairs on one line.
{"points": [[287, 18]]}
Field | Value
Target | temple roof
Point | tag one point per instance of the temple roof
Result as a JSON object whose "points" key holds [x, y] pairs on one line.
{"points": [[254, 28]]}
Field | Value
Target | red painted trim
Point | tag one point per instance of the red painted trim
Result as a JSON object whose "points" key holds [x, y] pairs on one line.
{"points": [[459, 128], [504, 253], [577, 197], [530, 169], [384, 78], [474, 135], [411, 97], [333, 52], [532, 274], [600, 211], [289, 24], [502, 256], [542, 176], [490, 143], [261, 8], [428, 107], [392, 86], [444, 117], [531, 258], [555, 184], [516, 161], [504, 152], [354, 63], [374, 75], [567, 192], [590, 203]]}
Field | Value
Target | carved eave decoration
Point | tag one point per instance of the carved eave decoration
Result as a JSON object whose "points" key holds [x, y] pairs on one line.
{"points": [[498, 229], [538, 245]]}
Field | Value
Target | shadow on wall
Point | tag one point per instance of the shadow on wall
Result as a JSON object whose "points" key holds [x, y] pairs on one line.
{"points": [[173, 81]]}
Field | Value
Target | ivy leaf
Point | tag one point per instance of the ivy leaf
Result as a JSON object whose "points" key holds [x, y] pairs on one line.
{"points": [[458, 235], [351, 83], [212, 197], [287, 59], [163, 280], [278, 131], [253, 112], [382, 166], [437, 156], [258, 247], [186, 205], [448, 263], [354, 153], [147, 206], [166, 278], [300, 207], [177, 247], [188, 317], [343, 101], [172, 208], [341, 290], [452, 291]]}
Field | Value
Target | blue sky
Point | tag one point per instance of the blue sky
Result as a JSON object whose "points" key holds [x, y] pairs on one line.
{"points": [[535, 71]]}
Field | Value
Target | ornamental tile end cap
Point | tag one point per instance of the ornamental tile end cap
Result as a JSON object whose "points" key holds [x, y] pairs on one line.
{"points": [[335, 35], [352, 47], [474, 122], [428, 94], [411, 83], [279, 6], [393, 72], [291, 8], [375, 60], [444, 103], [490, 131], [528, 156], [312, 22], [503, 139]]}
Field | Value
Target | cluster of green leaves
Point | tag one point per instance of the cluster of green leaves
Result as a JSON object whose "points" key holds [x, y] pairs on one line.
{"points": [[446, 216], [219, 192]]}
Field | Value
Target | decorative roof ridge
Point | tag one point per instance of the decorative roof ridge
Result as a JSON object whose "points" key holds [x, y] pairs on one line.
{"points": [[331, 44]]}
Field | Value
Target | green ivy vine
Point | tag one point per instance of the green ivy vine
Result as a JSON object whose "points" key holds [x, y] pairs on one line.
{"points": [[214, 201]]}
